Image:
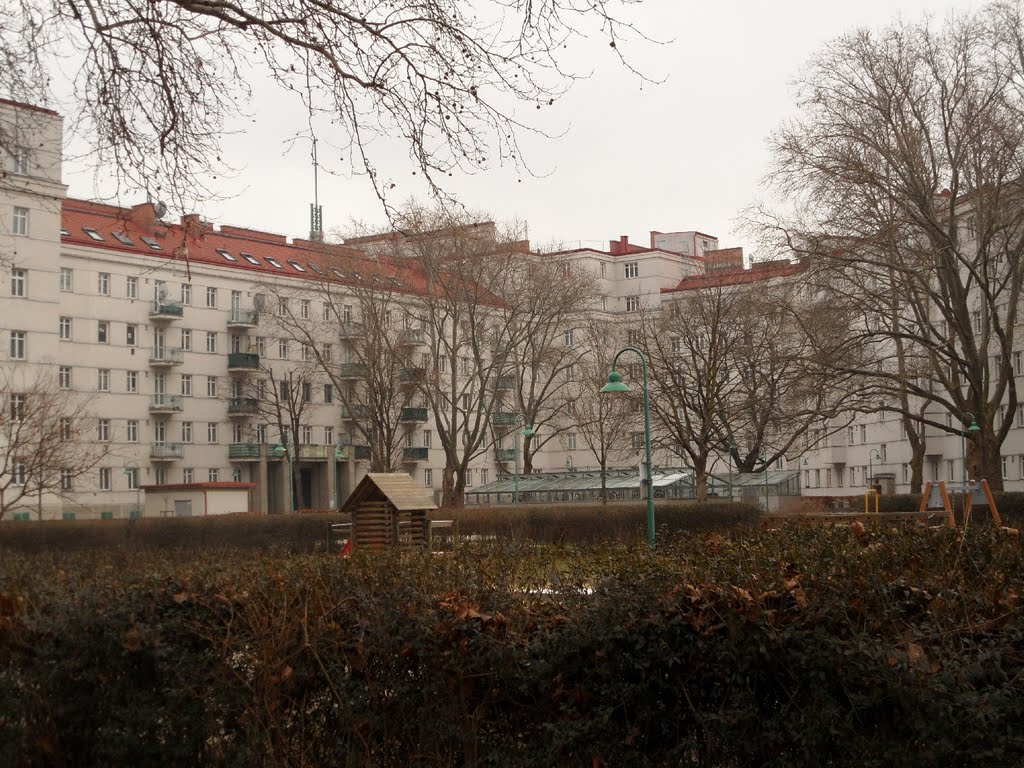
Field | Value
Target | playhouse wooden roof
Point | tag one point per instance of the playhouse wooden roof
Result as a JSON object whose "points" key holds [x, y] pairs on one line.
{"points": [[397, 487]]}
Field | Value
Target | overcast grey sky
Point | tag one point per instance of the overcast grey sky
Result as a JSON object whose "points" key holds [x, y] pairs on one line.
{"points": [[686, 154]]}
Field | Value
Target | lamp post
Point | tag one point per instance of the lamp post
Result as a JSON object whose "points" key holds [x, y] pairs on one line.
{"points": [[963, 440], [131, 470], [282, 450], [874, 454], [764, 463], [615, 385], [527, 432], [337, 453], [732, 447]]}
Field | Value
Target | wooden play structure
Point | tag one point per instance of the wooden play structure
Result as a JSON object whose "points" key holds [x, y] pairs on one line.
{"points": [[937, 496], [389, 510]]}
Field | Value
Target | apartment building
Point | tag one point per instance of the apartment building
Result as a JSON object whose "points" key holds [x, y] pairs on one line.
{"points": [[162, 328]]}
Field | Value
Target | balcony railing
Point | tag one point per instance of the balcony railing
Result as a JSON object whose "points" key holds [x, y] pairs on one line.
{"points": [[352, 371], [355, 412], [243, 318], [414, 454], [414, 414], [164, 309], [166, 356], [165, 403], [166, 451], [243, 406], [412, 336], [504, 418], [412, 375], [239, 451], [350, 330], [243, 361]]}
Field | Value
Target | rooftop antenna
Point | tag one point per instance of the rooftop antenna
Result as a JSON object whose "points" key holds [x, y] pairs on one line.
{"points": [[316, 213]]}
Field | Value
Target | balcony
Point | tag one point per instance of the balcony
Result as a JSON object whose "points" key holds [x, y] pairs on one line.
{"points": [[243, 362], [361, 452], [166, 451], [243, 319], [414, 414], [352, 371], [354, 412], [320, 452], [244, 451], [412, 376], [412, 455], [165, 403], [162, 309], [163, 357], [834, 454], [243, 406], [506, 455], [412, 337], [505, 383], [350, 330], [504, 418]]}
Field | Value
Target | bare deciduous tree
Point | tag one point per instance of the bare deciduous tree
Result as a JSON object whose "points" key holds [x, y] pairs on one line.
{"points": [[46, 440], [902, 174], [157, 82]]}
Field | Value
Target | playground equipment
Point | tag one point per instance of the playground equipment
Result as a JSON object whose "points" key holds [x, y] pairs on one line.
{"points": [[937, 496], [867, 500]]}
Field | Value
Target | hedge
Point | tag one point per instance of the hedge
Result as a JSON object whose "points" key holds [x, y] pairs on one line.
{"points": [[804, 646]]}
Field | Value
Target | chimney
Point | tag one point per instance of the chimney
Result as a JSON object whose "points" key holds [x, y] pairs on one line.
{"points": [[620, 246]]}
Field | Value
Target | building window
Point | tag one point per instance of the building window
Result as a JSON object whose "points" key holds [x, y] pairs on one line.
{"points": [[186, 431], [18, 345], [328, 435], [326, 315], [19, 282], [186, 385], [132, 431], [307, 435], [282, 391], [568, 337], [103, 433], [131, 287], [428, 478], [186, 340], [186, 294], [211, 386], [161, 475], [570, 441], [131, 333], [103, 284], [307, 392], [282, 307], [305, 353], [103, 379], [236, 474], [213, 475], [131, 381], [133, 478], [261, 433], [188, 475], [19, 224], [19, 156], [282, 349], [105, 478], [211, 298], [1006, 467], [64, 377], [67, 480], [427, 437], [64, 329], [632, 270], [632, 303], [883, 453], [17, 407], [67, 429], [211, 432], [66, 280], [211, 341], [328, 394], [102, 332], [304, 306], [261, 346]]}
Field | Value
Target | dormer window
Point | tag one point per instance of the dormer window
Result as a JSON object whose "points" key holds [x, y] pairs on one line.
{"points": [[122, 238], [64, 232], [273, 262], [340, 275], [298, 267], [316, 268], [150, 242], [93, 234], [250, 258], [226, 255]]}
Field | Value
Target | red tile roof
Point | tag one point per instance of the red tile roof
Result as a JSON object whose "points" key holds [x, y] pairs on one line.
{"points": [[33, 107], [726, 277]]}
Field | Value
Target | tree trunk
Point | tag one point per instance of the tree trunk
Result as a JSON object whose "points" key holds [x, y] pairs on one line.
{"points": [[604, 481], [700, 474], [984, 459]]}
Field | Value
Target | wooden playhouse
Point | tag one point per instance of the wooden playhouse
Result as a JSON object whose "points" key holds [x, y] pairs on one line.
{"points": [[388, 509]]}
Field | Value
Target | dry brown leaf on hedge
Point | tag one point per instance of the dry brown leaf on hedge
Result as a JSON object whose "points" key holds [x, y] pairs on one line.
{"points": [[181, 597], [858, 529], [1014, 532], [132, 640], [800, 597], [741, 593]]}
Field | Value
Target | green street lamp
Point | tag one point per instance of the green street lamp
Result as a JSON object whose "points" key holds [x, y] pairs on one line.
{"points": [[615, 385], [337, 454], [963, 440], [131, 470], [527, 432], [764, 463], [874, 454]]}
